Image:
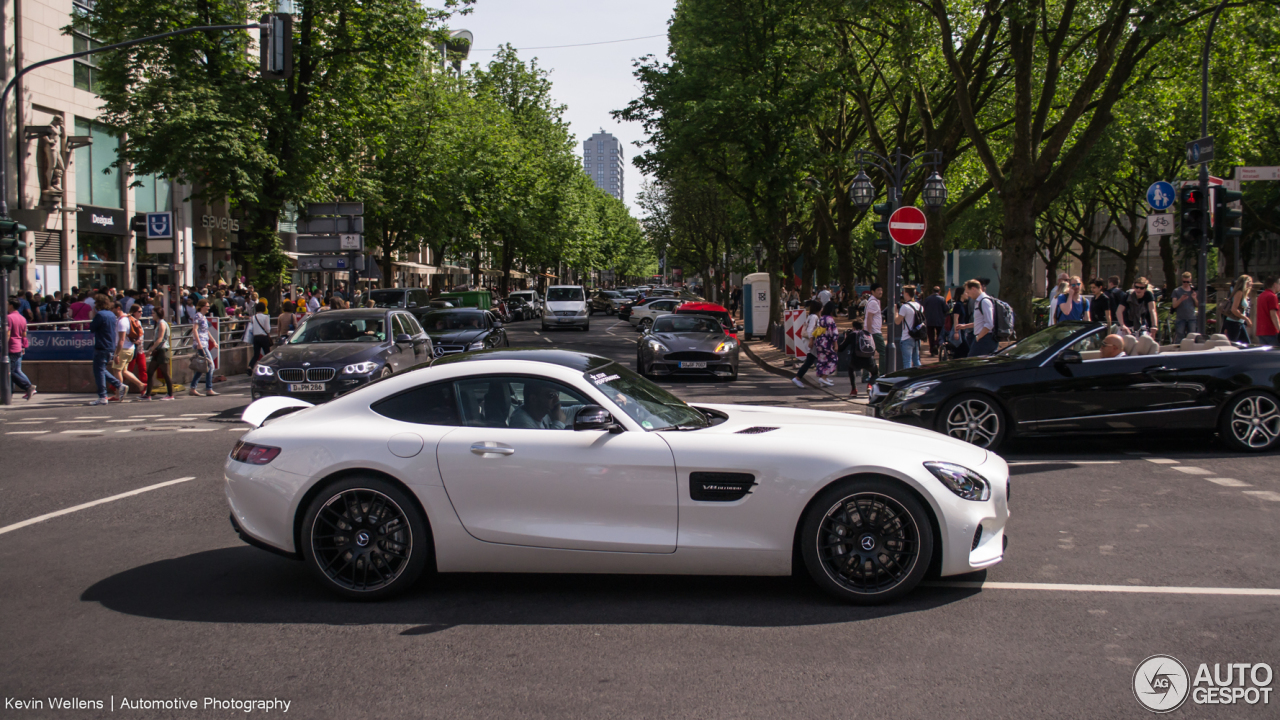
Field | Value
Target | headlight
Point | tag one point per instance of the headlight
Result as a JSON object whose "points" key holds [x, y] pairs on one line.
{"points": [[477, 345], [583, 311], [263, 370], [656, 346], [915, 391], [727, 346], [360, 368], [961, 480]]}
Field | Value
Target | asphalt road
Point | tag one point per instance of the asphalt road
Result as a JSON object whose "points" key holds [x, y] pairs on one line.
{"points": [[151, 596]]}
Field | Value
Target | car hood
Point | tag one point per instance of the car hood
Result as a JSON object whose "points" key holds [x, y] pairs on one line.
{"points": [[689, 341], [329, 353], [456, 337], [968, 367], [797, 427], [566, 305]]}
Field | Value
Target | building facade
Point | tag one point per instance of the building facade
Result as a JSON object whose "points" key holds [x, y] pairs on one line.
{"points": [[602, 159]]}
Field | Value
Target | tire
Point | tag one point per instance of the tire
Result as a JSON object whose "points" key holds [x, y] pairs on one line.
{"points": [[254, 395], [339, 518], [386, 373], [975, 419], [645, 324], [544, 327], [586, 328], [1250, 422], [610, 312], [888, 519]]}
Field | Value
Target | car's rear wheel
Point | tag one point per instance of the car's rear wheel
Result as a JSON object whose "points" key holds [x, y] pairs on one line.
{"points": [[365, 538], [1251, 422], [975, 419], [867, 541], [645, 324]]}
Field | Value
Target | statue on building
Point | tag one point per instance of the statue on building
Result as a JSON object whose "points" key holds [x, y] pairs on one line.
{"points": [[49, 159]]}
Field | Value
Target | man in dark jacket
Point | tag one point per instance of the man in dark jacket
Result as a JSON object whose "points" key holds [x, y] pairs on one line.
{"points": [[935, 318], [104, 327]]}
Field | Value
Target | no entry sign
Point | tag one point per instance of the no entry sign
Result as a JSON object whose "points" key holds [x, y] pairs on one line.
{"points": [[907, 225]]}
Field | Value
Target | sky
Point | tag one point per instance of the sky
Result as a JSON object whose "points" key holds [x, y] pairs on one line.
{"points": [[591, 81]]}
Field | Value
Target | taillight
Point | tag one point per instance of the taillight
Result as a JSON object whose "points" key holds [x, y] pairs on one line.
{"points": [[254, 454]]}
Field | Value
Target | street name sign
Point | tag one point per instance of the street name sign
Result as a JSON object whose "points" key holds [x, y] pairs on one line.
{"points": [[1160, 195], [1161, 224], [1200, 151], [329, 244], [1258, 173], [315, 263], [907, 225]]}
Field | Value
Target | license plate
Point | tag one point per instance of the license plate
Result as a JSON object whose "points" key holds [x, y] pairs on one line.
{"points": [[565, 320], [693, 366], [306, 387]]}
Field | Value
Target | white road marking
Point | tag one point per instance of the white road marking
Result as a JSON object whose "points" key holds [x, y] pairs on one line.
{"points": [[86, 430], [27, 432], [199, 414], [72, 422], [1228, 482], [130, 420], [196, 429], [1192, 470], [547, 339], [1264, 495], [27, 422], [535, 332], [48, 418], [1161, 461], [239, 430], [1066, 462], [91, 417], [1141, 589], [121, 496], [145, 416]]}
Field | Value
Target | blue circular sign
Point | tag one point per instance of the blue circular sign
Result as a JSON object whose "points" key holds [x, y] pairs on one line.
{"points": [[1160, 195]]}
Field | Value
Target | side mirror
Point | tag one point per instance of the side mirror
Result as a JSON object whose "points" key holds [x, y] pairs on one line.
{"points": [[1070, 357], [739, 328], [594, 417], [404, 338], [497, 324], [413, 304]]}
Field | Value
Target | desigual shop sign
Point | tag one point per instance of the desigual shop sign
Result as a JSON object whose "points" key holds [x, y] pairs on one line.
{"points": [[101, 221]]}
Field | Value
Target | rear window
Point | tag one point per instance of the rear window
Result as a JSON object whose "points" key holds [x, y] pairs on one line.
{"points": [[387, 298], [564, 294]]}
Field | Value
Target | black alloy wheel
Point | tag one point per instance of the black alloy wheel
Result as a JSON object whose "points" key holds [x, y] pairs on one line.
{"points": [[975, 419], [645, 324], [1251, 422], [385, 372], [867, 541], [365, 538]]}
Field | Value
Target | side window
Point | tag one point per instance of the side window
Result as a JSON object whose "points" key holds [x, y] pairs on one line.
{"points": [[412, 324], [518, 403], [432, 404], [400, 324]]}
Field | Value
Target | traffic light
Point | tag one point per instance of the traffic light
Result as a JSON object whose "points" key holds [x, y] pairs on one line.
{"points": [[1193, 207], [276, 46], [12, 249], [883, 211], [1226, 220]]}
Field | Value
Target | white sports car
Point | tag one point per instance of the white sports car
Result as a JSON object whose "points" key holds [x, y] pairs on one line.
{"points": [[563, 462]]}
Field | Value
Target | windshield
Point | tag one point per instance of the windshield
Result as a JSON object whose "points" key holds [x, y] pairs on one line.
{"points": [[564, 294], [646, 403], [1033, 345], [686, 324], [387, 298], [322, 329], [437, 321], [611, 293]]}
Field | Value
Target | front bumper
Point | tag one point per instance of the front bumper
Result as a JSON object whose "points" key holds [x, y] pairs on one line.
{"points": [[267, 385], [921, 411]]}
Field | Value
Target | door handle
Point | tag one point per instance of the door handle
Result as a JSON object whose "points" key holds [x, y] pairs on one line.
{"points": [[483, 449]]}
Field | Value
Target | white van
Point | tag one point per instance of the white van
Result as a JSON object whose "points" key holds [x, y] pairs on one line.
{"points": [[566, 306]]}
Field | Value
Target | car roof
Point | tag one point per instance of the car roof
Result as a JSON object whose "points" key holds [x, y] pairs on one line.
{"points": [[356, 312], [564, 358], [461, 310], [553, 287], [703, 306]]}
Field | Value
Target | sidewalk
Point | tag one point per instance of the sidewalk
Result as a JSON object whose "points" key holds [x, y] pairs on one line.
{"points": [[231, 384]]}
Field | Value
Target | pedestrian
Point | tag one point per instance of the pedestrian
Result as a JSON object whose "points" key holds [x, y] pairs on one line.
{"points": [[935, 318], [826, 345], [873, 316], [806, 335], [260, 326], [286, 323], [126, 339], [911, 316], [1236, 323], [1100, 304], [204, 343], [105, 328], [1186, 305], [138, 365], [313, 301], [1268, 325], [862, 357], [824, 295], [16, 343], [1138, 313], [983, 324], [1054, 292], [159, 356], [1117, 296], [1071, 305]]}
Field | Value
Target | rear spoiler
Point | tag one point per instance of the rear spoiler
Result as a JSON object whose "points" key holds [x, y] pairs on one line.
{"points": [[260, 410]]}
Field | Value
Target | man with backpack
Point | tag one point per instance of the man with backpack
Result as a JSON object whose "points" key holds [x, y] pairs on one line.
{"points": [[911, 316], [984, 320], [862, 356], [127, 337]]}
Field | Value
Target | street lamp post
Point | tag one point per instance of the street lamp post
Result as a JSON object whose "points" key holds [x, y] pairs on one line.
{"points": [[1203, 284], [896, 169]]}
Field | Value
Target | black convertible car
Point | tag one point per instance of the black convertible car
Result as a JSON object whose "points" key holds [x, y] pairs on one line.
{"points": [[1056, 381]]}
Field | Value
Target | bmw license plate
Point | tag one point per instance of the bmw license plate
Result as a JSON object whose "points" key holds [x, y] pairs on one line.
{"points": [[306, 387], [693, 366]]}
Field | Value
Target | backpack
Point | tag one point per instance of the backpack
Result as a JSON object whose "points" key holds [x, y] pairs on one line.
{"points": [[135, 330], [1003, 319], [917, 331], [866, 346]]}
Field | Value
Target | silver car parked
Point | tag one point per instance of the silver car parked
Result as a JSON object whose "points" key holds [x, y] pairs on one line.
{"points": [[687, 345]]}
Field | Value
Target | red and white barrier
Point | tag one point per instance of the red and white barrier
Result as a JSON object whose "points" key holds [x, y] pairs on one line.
{"points": [[793, 322]]}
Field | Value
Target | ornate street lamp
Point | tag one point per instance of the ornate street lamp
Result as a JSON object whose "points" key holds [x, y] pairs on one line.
{"points": [[862, 193], [935, 191], [793, 244]]}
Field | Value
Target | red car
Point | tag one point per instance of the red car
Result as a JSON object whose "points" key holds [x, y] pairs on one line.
{"points": [[719, 312]]}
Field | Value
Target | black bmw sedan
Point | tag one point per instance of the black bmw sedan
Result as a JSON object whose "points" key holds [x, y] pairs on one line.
{"points": [[334, 351], [463, 330], [1063, 380]]}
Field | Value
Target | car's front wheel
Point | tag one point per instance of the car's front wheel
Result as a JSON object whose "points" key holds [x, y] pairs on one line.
{"points": [[645, 324], [365, 538], [1251, 422], [385, 372], [867, 541], [975, 419]]}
